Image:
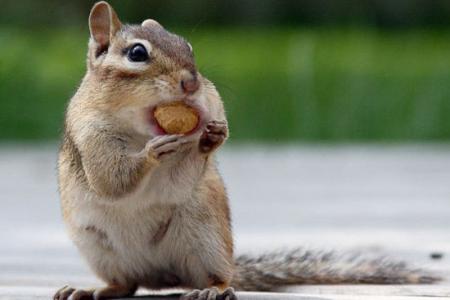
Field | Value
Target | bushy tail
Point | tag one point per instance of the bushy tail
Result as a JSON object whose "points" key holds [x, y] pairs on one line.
{"points": [[272, 270]]}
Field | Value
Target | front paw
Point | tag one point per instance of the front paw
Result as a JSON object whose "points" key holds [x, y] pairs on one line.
{"points": [[164, 145], [213, 136], [210, 294]]}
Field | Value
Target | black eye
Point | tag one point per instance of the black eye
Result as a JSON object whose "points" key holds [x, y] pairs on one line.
{"points": [[137, 53]]}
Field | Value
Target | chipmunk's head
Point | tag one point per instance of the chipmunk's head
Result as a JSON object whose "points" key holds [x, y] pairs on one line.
{"points": [[138, 67]]}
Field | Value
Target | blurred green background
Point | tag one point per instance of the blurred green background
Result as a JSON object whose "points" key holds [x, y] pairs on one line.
{"points": [[335, 71]]}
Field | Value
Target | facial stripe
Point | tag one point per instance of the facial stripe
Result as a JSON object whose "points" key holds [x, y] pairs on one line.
{"points": [[170, 44]]}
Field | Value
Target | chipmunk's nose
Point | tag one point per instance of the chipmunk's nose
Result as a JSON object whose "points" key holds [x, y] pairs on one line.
{"points": [[189, 82]]}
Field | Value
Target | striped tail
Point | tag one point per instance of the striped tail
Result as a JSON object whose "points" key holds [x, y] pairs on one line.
{"points": [[272, 270]]}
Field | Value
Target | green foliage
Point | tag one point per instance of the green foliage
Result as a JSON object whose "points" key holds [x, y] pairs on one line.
{"points": [[378, 13], [277, 84]]}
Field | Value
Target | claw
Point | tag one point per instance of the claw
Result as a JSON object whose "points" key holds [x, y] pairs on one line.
{"points": [[229, 294], [63, 293], [112, 291], [217, 127], [212, 293], [165, 144]]}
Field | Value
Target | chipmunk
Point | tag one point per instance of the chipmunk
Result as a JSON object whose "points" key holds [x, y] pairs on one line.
{"points": [[148, 209]]}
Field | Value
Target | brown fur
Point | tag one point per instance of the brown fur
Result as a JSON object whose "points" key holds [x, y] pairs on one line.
{"points": [[216, 198], [159, 235], [105, 158], [151, 210]]}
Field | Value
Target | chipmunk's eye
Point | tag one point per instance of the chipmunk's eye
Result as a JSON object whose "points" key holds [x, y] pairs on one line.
{"points": [[138, 53]]}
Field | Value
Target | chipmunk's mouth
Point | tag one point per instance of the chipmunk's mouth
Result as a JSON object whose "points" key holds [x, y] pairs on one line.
{"points": [[176, 117]]}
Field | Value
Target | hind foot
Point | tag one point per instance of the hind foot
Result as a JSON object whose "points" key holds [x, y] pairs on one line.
{"points": [[210, 294]]}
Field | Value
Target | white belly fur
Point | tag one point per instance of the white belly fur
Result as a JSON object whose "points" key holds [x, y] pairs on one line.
{"points": [[130, 224]]}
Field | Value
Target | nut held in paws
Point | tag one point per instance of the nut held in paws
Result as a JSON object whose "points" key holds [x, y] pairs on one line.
{"points": [[176, 117]]}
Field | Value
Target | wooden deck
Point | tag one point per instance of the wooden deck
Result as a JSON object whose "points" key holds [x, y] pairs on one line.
{"points": [[393, 200]]}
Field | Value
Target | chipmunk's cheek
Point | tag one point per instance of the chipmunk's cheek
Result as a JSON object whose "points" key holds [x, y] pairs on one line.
{"points": [[133, 117]]}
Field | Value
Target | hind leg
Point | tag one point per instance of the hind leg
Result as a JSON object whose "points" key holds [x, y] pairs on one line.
{"points": [[211, 278]]}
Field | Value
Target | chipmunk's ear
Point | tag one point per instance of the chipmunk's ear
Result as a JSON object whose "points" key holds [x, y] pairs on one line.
{"points": [[150, 23], [103, 24]]}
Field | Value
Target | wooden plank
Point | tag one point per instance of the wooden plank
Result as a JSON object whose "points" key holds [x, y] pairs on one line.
{"points": [[387, 200], [435, 290]]}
